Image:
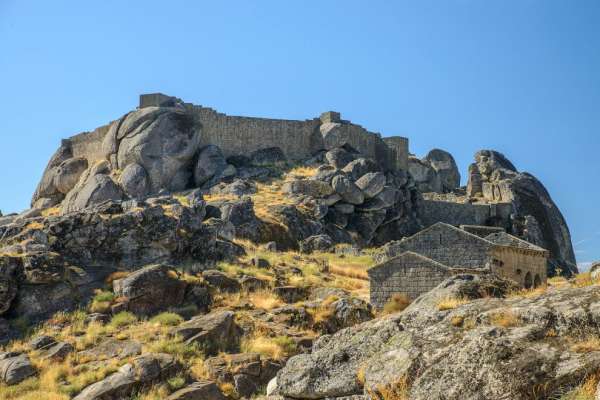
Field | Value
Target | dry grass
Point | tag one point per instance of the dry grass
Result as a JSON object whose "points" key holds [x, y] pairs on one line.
{"points": [[457, 320], [34, 225], [450, 303], [582, 280], [587, 345], [396, 303], [50, 212], [302, 172], [585, 391], [265, 300], [116, 275], [529, 293], [277, 348], [398, 390], [505, 319]]}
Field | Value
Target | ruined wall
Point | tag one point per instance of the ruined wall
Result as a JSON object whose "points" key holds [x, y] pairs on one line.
{"points": [[242, 135], [399, 146], [515, 264], [407, 274], [448, 246], [88, 145], [433, 211]]}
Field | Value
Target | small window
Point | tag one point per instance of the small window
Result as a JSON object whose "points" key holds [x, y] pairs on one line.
{"points": [[440, 238]]}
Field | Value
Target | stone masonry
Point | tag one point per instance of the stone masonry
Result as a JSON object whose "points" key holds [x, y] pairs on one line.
{"points": [[418, 263]]}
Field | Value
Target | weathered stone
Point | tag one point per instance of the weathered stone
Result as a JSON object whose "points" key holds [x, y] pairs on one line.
{"points": [[445, 166], [92, 188], [151, 289], [221, 281], [142, 371], [371, 184], [202, 390], [316, 243], [244, 385], [347, 189], [339, 157], [268, 156], [15, 367], [59, 351], [41, 342], [308, 187], [134, 180], [260, 262], [210, 163], [290, 294], [163, 141], [68, 172], [360, 167], [216, 331]]}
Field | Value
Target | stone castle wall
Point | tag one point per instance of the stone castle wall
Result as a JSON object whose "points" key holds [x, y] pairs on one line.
{"points": [[88, 145], [433, 211], [411, 276], [242, 135]]}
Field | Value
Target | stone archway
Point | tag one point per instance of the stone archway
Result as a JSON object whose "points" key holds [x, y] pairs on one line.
{"points": [[528, 282], [537, 281]]}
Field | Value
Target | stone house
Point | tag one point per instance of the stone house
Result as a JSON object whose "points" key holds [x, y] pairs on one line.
{"points": [[420, 262]]}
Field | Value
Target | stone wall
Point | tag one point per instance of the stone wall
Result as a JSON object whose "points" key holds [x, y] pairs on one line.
{"points": [[409, 274], [516, 264], [456, 214], [447, 245], [88, 145], [242, 135]]}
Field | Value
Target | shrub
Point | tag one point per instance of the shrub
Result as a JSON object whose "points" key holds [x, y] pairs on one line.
{"points": [[274, 347], [396, 303], [102, 301], [176, 382], [450, 303], [505, 319], [167, 319], [122, 319], [587, 345]]}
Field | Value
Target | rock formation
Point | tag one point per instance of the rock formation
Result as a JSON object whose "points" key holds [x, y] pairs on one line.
{"points": [[537, 219]]}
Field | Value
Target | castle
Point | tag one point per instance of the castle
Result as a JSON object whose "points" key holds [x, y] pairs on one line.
{"points": [[419, 263]]}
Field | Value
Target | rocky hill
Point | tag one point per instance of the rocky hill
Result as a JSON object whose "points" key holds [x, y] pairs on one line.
{"points": [[181, 253]]}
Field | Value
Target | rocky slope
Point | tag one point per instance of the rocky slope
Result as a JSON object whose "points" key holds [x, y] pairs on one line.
{"points": [[460, 341]]}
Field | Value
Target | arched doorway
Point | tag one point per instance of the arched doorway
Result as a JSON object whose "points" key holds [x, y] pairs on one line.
{"points": [[537, 281], [528, 281]]}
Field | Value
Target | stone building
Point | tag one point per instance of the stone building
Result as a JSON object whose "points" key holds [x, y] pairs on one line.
{"points": [[420, 262]]}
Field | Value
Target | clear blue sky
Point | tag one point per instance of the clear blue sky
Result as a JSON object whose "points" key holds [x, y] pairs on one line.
{"points": [[521, 77]]}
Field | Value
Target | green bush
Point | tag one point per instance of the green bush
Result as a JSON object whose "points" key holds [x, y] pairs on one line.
{"points": [[167, 319], [123, 318], [104, 296]]}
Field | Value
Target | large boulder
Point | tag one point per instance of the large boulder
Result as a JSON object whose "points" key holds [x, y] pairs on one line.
{"points": [[134, 181], [143, 370], [201, 390], [215, 332], [151, 289], [444, 165], [163, 140], [95, 186], [371, 183], [211, 163], [347, 189], [424, 175], [308, 187], [68, 173], [339, 157], [536, 217], [483, 347], [267, 156], [15, 367]]}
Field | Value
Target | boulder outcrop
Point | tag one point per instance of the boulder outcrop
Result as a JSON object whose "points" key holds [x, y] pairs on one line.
{"points": [[487, 348]]}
